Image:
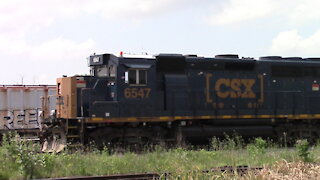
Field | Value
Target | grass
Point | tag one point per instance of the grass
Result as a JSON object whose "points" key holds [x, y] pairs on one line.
{"points": [[20, 160]]}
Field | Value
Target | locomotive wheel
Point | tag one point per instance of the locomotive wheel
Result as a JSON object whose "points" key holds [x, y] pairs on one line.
{"points": [[56, 142]]}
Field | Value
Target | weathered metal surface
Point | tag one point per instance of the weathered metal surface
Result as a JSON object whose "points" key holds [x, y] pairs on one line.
{"points": [[24, 107]]}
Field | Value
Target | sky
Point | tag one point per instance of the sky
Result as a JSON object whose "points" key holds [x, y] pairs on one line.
{"points": [[41, 40]]}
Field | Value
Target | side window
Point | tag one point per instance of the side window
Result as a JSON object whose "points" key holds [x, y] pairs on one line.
{"points": [[132, 76], [137, 77], [142, 76], [102, 71], [59, 88], [112, 71]]}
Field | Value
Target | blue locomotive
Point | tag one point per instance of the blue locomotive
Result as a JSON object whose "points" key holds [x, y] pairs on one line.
{"points": [[174, 97]]}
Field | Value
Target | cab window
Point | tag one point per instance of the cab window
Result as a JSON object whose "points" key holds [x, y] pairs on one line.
{"points": [[137, 77]]}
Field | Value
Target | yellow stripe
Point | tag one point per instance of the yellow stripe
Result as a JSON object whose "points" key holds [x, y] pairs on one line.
{"points": [[206, 117], [281, 116], [246, 116], [291, 116], [304, 116], [97, 119], [264, 116], [173, 118], [179, 117], [164, 117], [226, 117]]}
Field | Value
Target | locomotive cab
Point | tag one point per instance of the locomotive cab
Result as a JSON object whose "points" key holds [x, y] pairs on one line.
{"points": [[116, 87]]}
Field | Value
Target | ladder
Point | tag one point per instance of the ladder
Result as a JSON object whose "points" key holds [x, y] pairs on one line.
{"points": [[74, 133]]}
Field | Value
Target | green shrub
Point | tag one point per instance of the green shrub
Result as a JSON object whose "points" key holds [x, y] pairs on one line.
{"points": [[302, 147], [234, 142], [257, 147], [21, 156]]}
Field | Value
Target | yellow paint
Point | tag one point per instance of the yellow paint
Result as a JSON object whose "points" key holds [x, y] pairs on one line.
{"points": [[304, 115], [222, 82], [97, 119], [291, 116], [248, 92], [179, 117], [226, 117], [246, 116], [265, 116], [173, 118], [133, 93], [233, 88], [164, 117], [206, 117]]}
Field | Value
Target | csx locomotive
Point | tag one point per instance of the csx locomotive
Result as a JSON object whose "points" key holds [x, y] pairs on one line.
{"points": [[174, 98]]}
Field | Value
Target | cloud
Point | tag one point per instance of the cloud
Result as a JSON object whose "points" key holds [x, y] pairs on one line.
{"points": [[43, 63], [304, 11], [239, 11], [291, 43], [20, 16], [59, 50], [129, 8], [53, 57]]}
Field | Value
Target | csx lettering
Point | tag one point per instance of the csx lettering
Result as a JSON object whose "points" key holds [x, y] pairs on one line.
{"points": [[233, 88], [131, 93]]}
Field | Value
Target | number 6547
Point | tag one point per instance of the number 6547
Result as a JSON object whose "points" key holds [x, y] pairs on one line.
{"points": [[131, 93]]}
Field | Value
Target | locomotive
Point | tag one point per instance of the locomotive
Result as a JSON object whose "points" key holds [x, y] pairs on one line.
{"points": [[174, 98]]}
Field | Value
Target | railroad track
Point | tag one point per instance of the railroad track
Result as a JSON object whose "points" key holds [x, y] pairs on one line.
{"points": [[241, 170], [144, 176]]}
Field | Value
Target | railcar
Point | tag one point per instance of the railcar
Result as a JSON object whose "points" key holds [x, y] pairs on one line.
{"points": [[173, 98], [23, 108]]}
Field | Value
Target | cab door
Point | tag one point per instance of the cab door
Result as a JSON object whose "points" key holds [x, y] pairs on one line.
{"points": [[137, 91]]}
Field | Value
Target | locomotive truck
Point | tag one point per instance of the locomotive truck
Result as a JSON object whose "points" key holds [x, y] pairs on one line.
{"points": [[173, 98]]}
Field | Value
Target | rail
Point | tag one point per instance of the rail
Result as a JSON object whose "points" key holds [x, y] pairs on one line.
{"points": [[240, 170], [144, 176]]}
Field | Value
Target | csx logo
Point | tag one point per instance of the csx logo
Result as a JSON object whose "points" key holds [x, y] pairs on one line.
{"points": [[229, 88], [235, 88]]}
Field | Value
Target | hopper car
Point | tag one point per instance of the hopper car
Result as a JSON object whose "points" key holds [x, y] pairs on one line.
{"points": [[23, 108]]}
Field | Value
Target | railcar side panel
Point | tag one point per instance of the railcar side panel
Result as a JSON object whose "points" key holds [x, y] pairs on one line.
{"points": [[25, 107]]}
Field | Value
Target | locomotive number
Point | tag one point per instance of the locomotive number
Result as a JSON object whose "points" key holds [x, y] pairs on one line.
{"points": [[131, 93]]}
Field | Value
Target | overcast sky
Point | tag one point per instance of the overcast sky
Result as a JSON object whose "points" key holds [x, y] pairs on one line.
{"points": [[41, 40]]}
